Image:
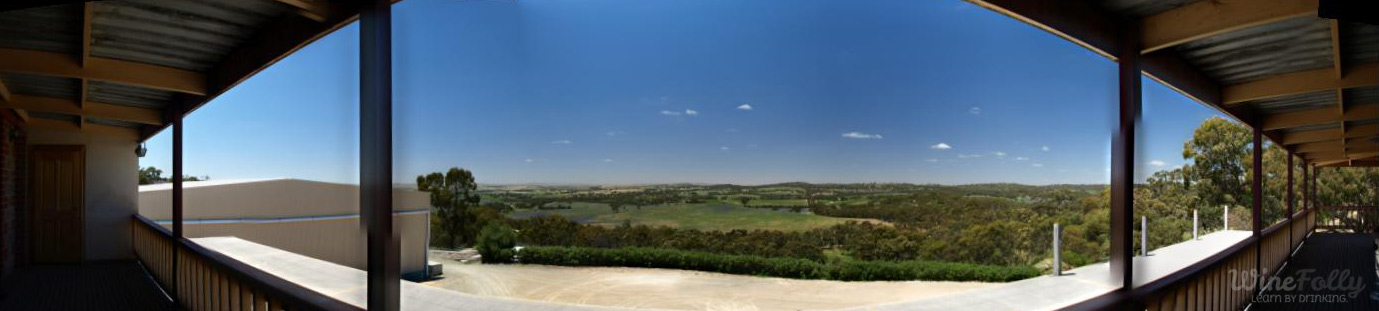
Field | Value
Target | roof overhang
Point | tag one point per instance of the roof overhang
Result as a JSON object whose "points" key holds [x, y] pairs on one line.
{"points": [[1311, 83]]}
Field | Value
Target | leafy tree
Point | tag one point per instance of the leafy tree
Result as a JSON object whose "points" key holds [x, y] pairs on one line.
{"points": [[150, 175], [1220, 154], [744, 200], [496, 243], [452, 198]]}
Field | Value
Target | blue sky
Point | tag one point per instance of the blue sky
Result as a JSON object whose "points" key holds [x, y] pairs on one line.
{"points": [[654, 91]]}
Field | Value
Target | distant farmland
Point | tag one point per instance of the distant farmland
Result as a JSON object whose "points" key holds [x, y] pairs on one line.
{"points": [[701, 216]]}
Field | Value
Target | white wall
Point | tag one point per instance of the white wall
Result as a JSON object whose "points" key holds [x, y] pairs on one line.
{"points": [[112, 185]]}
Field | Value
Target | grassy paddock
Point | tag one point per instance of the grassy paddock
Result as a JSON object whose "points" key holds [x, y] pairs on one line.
{"points": [[704, 216], [846, 270]]}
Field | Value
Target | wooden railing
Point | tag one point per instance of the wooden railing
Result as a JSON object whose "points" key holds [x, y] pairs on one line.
{"points": [[202, 279], [1224, 281], [1354, 218]]}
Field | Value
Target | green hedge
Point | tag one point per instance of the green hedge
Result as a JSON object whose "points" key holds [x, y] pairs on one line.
{"points": [[776, 267]]}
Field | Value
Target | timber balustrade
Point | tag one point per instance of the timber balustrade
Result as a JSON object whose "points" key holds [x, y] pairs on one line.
{"points": [[1224, 281], [207, 280]]}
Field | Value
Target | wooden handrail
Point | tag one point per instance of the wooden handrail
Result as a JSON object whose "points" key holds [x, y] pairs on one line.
{"points": [[289, 293]]}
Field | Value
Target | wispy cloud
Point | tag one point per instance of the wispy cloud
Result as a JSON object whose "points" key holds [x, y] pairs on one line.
{"points": [[528, 160], [614, 133], [562, 142], [969, 156], [998, 154], [1037, 165], [1021, 159], [931, 160], [744, 107], [731, 131], [670, 113], [975, 110], [1044, 148], [724, 148], [607, 160], [1157, 163], [941, 146], [691, 112], [860, 135]]}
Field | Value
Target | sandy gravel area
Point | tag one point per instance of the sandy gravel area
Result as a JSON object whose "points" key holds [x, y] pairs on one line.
{"points": [[678, 289]]}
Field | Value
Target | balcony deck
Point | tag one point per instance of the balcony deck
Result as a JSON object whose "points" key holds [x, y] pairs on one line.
{"points": [[100, 286], [1324, 253]]}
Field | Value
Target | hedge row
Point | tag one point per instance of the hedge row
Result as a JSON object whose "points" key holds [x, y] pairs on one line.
{"points": [[766, 266]]}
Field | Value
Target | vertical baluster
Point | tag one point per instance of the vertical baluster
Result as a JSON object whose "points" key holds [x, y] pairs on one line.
{"points": [[260, 302]]}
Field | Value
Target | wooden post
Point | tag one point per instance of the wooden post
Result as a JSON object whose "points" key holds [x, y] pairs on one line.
{"points": [[177, 128], [1257, 197], [376, 154], [1123, 159]]}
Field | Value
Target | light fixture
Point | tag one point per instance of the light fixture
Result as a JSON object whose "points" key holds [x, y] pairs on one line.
{"points": [[141, 151]]}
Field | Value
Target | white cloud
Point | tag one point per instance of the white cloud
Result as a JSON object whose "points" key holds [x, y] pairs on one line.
{"points": [[528, 160], [562, 142], [1037, 165], [1157, 163], [724, 148], [744, 107], [975, 110], [941, 146], [670, 113], [860, 135], [967, 156], [999, 154], [613, 133], [607, 160], [691, 112], [931, 160], [1021, 159], [1044, 148]]}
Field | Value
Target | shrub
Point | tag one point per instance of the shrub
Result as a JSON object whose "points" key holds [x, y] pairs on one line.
{"points": [[778, 267], [496, 242]]}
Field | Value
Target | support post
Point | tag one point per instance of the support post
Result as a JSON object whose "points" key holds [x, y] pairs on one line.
{"points": [[1257, 197], [1057, 250], [1225, 217], [376, 154], [1194, 224], [1291, 197], [1306, 187], [1123, 158], [177, 234]]}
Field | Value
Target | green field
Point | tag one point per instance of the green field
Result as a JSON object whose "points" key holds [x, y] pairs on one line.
{"points": [[704, 216]]}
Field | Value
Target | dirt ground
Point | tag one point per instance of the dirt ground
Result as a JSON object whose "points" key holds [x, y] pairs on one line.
{"points": [[678, 289]]}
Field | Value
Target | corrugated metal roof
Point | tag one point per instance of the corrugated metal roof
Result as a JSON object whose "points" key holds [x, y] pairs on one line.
{"points": [[1359, 43], [1253, 53], [128, 95], [193, 35], [52, 28], [1141, 8], [1296, 102], [1362, 95], [103, 121], [1324, 126], [59, 87]]}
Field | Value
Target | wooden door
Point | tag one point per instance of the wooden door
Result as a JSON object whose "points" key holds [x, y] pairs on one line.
{"points": [[57, 182]]}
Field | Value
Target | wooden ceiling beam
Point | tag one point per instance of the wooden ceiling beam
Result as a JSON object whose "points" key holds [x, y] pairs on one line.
{"points": [[1302, 82], [87, 109], [1329, 145], [1319, 116], [104, 69], [1207, 18], [316, 10], [4, 91], [60, 125]]}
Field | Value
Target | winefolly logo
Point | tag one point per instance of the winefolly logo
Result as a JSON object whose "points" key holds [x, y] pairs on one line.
{"points": [[1303, 286]]}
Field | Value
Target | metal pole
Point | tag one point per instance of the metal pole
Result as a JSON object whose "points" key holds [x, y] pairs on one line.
{"points": [[1194, 224], [1057, 250], [1144, 236], [1226, 218], [1123, 157], [376, 154]]}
